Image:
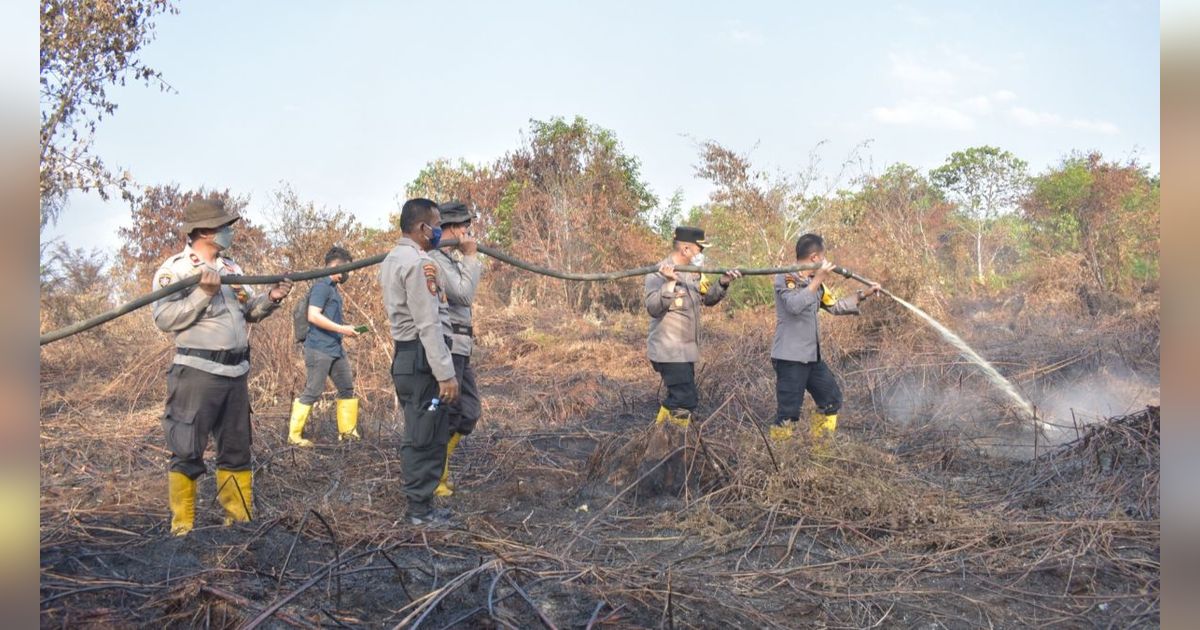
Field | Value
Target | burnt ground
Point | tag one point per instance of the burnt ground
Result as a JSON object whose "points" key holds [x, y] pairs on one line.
{"points": [[886, 529], [567, 523]]}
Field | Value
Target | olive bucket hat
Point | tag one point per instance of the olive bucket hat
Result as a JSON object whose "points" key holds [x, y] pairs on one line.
{"points": [[207, 213]]}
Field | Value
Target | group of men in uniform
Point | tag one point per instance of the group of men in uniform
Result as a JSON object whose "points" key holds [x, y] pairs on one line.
{"points": [[428, 298], [428, 291], [673, 299]]}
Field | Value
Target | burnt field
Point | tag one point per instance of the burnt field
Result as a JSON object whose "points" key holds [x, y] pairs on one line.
{"points": [[930, 510]]}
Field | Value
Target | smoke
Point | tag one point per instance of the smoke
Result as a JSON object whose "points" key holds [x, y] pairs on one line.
{"points": [[976, 411], [1093, 396]]}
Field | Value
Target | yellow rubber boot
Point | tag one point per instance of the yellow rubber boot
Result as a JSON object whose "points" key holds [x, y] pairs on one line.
{"points": [[347, 418], [445, 487], [821, 429], [663, 414], [300, 412], [681, 418], [783, 431], [235, 494], [181, 494]]}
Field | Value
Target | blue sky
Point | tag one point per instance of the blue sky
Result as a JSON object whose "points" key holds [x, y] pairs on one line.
{"points": [[346, 101]]}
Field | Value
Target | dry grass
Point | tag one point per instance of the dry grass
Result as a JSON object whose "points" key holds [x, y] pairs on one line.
{"points": [[896, 525]]}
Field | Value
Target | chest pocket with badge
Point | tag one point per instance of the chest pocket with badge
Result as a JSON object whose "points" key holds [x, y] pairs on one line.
{"points": [[682, 298]]}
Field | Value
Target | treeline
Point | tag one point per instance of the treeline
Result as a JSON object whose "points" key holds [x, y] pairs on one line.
{"points": [[570, 196]]}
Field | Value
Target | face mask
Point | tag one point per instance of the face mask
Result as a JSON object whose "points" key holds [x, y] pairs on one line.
{"points": [[698, 259], [435, 235], [223, 238]]}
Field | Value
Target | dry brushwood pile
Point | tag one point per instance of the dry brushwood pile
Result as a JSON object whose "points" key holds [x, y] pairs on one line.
{"points": [[896, 524]]}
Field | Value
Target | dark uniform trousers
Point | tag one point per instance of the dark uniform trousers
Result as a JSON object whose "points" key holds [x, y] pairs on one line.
{"points": [[793, 378], [465, 411], [318, 366], [680, 381], [199, 403], [426, 432]]}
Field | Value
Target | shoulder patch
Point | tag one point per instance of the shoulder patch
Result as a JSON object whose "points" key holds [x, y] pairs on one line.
{"points": [[165, 278], [431, 281]]}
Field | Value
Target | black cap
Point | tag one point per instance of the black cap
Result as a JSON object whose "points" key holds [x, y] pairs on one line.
{"points": [[455, 212], [690, 235]]}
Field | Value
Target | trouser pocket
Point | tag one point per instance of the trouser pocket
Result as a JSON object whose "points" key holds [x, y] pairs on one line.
{"points": [[424, 427]]}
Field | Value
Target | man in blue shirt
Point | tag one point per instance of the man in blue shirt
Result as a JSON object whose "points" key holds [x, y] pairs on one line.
{"points": [[324, 356]]}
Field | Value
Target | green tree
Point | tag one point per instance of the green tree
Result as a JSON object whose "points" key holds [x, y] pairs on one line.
{"points": [[573, 198], [1106, 211], [442, 180], [986, 182], [892, 227], [87, 46]]}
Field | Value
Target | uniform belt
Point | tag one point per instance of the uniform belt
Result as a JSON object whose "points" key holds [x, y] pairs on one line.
{"points": [[413, 344], [224, 357], [459, 329]]}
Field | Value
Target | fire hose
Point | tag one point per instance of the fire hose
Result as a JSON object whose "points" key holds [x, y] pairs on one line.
{"points": [[180, 285]]}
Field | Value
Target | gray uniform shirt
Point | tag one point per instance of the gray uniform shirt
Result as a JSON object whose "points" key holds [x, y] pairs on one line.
{"points": [[674, 307], [460, 278], [209, 323], [416, 303], [796, 308]]}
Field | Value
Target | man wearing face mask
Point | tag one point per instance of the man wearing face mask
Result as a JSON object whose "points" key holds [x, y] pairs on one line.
{"points": [[673, 299], [422, 368], [796, 351], [459, 269], [324, 356], [206, 384]]}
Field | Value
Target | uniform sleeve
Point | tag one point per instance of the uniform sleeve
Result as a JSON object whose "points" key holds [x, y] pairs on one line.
{"points": [[659, 294], [179, 310], [257, 305], [390, 280], [459, 281], [795, 298], [845, 306], [712, 291], [423, 302]]}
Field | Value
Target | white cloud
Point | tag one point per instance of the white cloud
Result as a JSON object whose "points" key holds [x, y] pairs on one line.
{"points": [[1031, 118], [1003, 96], [924, 114], [920, 77], [1095, 126], [981, 105], [962, 61], [741, 33]]}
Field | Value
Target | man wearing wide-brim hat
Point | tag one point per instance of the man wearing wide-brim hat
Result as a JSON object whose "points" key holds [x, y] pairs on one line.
{"points": [[673, 299], [459, 271], [206, 384]]}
